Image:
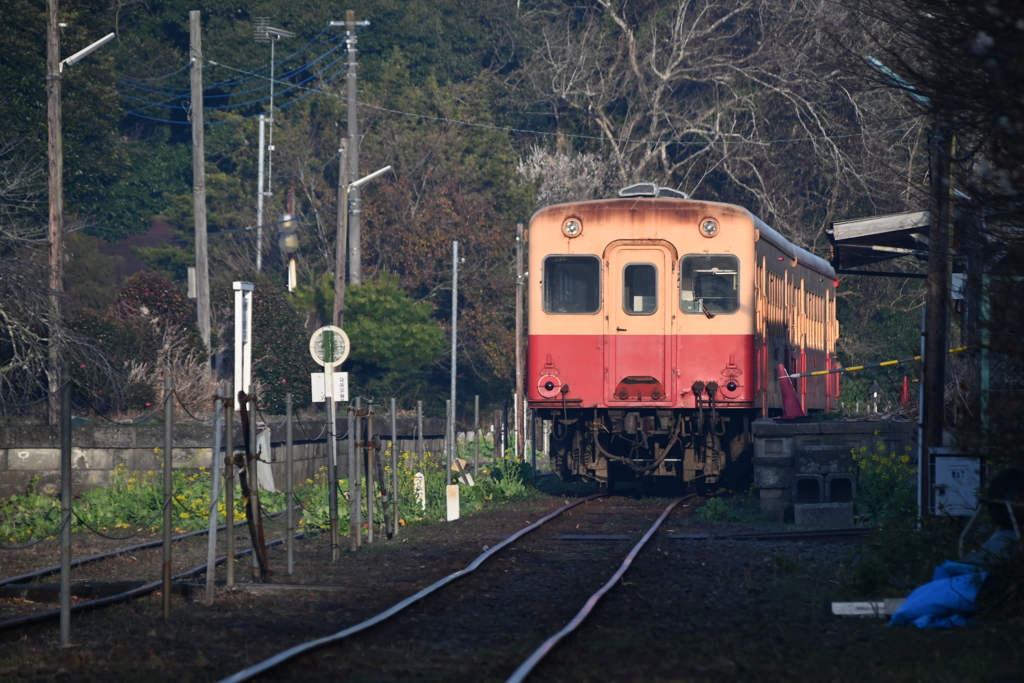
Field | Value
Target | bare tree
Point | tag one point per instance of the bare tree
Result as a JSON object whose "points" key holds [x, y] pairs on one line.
{"points": [[726, 100]]}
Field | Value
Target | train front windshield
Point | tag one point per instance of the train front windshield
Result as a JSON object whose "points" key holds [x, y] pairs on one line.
{"points": [[709, 283], [572, 284]]}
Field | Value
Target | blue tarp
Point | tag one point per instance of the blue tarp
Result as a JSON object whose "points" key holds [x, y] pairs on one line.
{"points": [[949, 600]]}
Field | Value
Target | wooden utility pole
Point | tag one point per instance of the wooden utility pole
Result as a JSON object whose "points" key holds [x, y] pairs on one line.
{"points": [[936, 316], [56, 228], [199, 180], [340, 239], [355, 253], [519, 412]]}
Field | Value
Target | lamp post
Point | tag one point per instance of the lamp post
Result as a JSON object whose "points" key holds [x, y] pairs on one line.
{"points": [[342, 235], [55, 154]]}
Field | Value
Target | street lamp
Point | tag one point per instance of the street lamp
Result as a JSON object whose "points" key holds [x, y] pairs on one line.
{"points": [[340, 239], [54, 67], [55, 154]]}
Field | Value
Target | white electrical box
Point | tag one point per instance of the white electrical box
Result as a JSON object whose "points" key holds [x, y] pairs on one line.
{"points": [[955, 483]]}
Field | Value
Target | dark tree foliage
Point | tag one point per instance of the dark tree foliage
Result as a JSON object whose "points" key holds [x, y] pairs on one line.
{"points": [[161, 303], [967, 58], [280, 348]]}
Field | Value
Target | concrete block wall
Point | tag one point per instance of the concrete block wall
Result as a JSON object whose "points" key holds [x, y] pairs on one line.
{"points": [[786, 453], [28, 451]]}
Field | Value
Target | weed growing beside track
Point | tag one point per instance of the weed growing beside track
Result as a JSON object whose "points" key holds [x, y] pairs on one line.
{"points": [[133, 501]]}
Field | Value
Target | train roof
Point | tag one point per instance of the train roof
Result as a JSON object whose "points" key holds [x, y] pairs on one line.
{"points": [[767, 233]]}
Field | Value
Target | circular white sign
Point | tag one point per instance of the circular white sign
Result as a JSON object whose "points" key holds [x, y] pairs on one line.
{"points": [[329, 346]]}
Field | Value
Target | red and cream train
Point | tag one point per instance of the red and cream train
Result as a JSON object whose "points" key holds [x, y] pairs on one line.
{"points": [[656, 323]]}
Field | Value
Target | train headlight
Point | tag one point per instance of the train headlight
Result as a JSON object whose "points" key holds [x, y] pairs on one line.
{"points": [[572, 227], [709, 227], [549, 386]]}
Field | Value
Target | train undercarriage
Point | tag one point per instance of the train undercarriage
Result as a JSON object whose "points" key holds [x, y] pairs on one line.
{"points": [[696, 447]]}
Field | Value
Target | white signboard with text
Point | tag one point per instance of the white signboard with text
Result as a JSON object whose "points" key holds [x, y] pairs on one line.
{"points": [[319, 385]]}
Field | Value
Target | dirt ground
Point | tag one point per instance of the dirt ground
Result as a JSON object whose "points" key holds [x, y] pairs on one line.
{"points": [[687, 610]]}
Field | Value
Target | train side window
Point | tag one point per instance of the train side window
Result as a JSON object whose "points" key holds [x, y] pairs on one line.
{"points": [[572, 284], [709, 283], [640, 289]]}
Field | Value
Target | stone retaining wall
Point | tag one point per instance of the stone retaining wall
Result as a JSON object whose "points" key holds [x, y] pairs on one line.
{"points": [[793, 460], [28, 451]]}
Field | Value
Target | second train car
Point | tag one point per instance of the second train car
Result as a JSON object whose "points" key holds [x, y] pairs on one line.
{"points": [[656, 325]]}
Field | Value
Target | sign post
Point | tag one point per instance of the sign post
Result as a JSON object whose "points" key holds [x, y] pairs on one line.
{"points": [[329, 347], [243, 336]]}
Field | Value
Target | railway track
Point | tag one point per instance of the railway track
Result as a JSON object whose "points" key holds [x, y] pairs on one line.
{"points": [[432, 592], [52, 615], [22, 622]]}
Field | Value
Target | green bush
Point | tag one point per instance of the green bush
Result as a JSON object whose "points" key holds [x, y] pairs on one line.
{"points": [[716, 510], [886, 487], [280, 347]]}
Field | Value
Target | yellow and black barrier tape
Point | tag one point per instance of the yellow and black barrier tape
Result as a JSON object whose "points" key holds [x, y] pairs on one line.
{"points": [[853, 368]]}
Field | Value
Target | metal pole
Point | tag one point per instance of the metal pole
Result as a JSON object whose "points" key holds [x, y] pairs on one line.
{"points": [[229, 482], [371, 489], [448, 443], [168, 488], [270, 157], [419, 435], [533, 444], [520, 416], [56, 186], [65, 505], [394, 468], [355, 254], [455, 339], [332, 464], [289, 484], [353, 529], [476, 436], [211, 541], [358, 475], [254, 486], [199, 181], [260, 194]]}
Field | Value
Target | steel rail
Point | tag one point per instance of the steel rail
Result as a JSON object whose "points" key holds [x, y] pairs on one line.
{"points": [[526, 667], [292, 652], [850, 532], [32, 619], [20, 578]]}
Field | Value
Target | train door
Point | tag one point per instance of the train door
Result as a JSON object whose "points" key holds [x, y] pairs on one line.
{"points": [[639, 296]]}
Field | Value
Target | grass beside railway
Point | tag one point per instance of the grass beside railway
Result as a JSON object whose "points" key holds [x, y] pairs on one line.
{"points": [[133, 501]]}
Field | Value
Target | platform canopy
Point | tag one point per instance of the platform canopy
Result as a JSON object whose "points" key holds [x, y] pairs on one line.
{"points": [[863, 241]]}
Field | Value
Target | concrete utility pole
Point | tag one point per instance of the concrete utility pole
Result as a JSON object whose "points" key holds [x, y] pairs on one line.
{"points": [[199, 179], [55, 231], [936, 316], [56, 228], [264, 33], [340, 239], [519, 412], [355, 253]]}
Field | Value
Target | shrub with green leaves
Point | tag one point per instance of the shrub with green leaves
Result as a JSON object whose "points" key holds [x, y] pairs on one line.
{"points": [[886, 488], [716, 510]]}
